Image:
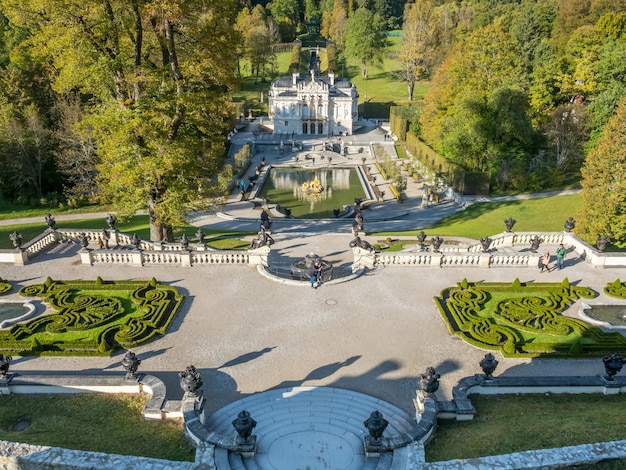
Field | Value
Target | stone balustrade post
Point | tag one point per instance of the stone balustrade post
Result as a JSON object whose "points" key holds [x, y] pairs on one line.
{"points": [[436, 259], [259, 256], [484, 260], [185, 258], [362, 258], [20, 257], [137, 258], [114, 238], [507, 239], [85, 257]]}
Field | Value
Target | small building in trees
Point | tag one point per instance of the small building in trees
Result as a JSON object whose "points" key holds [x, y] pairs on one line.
{"points": [[313, 105]]}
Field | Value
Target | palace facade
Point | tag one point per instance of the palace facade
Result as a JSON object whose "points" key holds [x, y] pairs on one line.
{"points": [[313, 105]]}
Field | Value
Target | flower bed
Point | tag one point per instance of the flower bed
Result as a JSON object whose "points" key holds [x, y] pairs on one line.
{"points": [[93, 317], [524, 320]]}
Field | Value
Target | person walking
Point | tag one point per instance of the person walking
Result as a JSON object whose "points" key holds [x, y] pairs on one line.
{"points": [[560, 256], [544, 262]]}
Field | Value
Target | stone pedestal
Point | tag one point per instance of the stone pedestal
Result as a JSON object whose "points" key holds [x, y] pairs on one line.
{"points": [[246, 450], [20, 257], [185, 258], [484, 260], [373, 448], [259, 256], [435, 259], [85, 257]]}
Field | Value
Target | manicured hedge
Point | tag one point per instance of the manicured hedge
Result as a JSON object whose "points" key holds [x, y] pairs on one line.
{"points": [[93, 317], [524, 320], [616, 289], [4, 286]]}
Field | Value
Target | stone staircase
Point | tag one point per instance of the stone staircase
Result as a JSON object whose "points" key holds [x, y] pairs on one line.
{"points": [[310, 428]]}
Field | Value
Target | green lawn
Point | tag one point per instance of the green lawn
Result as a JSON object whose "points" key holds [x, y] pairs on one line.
{"points": [[486, 219], [515, 423], [92, 422]]}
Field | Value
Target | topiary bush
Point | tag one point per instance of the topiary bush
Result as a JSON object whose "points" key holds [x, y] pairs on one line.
{"points": [[616, 289], [524, 319], [93, 317]]}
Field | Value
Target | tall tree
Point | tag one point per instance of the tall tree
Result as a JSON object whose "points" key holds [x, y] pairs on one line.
{"points": [[365, 39], [159, 73], [604, 184], [419, 42]]}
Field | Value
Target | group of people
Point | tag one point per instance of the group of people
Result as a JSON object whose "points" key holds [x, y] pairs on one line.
{"points": [[544, 262]]}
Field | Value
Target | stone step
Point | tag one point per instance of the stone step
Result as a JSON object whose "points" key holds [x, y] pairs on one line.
{"points": [[311, 428]]}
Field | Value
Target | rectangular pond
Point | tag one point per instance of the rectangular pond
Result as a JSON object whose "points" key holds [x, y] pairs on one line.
{"points": [[312, 193]]}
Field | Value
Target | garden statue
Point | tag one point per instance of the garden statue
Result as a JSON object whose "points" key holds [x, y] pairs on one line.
{"points": [[357, 226], [130, 363], [5, 362], [436, 243], [262, 239], [357, 202], [265, 220], [83, 239], [357, 242], [50, 222], [135, 240], [613, 364], [509, 223], [287, 212], [16, 238], [486, 242], [200, 236], [429, 382], [602, 242], [375, 426], [184, 241], [111, 221], [534, 243], [190, 381], [570, 224], [105, 238], [488, 364], [336, 212], [244, 424]]}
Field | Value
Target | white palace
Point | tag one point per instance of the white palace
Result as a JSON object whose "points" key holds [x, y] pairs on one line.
{"points": [[313, 105]]}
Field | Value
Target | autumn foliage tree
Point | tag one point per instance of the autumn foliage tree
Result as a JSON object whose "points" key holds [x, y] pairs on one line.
{"points": [[604, 184], [158, 75]]}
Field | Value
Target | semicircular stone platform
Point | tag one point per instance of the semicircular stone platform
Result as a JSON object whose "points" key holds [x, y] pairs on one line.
{"points": [[312, 428]]}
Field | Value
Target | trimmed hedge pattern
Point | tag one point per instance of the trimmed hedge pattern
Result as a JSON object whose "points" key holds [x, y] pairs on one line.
{"points": [[527, 322], [5, 286], [616, 289], [114, 314]]}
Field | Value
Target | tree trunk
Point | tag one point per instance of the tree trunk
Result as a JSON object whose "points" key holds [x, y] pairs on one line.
{"points": [[410, 84]]}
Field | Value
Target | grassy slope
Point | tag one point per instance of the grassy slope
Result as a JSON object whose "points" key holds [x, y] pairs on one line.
{"points": [[485, 219], [514, 423], [95, 422]]}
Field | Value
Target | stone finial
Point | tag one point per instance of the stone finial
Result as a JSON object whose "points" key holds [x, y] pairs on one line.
{"points": [[602, 242]]}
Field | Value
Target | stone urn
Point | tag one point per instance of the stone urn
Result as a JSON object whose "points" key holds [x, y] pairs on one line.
{"points": [[375, 426], [429, 382], [16, 238], [613, 364], [486, 243], [488, 364], [509, 223], [5, 362], [570, 224], [130, 363], [190, 381], [244, 424], [436, 243]]}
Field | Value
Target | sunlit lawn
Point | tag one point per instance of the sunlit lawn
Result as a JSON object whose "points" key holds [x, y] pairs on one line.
{"points": [[487, 218]]}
